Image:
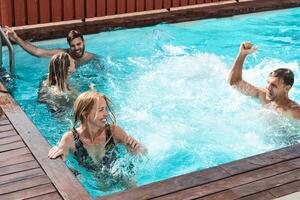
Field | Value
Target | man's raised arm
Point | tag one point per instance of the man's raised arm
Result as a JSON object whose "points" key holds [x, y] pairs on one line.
{"points": [[33, 50], [235, 77]]}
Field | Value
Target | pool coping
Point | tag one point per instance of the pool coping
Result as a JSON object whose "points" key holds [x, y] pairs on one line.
{"points": [[147, 18], [62, 178]]}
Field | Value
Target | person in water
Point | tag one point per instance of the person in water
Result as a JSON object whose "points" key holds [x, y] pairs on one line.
{"points": [[55, 90], [93, 142], [76, 47], [275, 95]]}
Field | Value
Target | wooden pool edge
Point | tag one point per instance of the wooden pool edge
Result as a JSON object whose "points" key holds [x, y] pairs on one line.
{"points": [[147, 18], [62, 178]]}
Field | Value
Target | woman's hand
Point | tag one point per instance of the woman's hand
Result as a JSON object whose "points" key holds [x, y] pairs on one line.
{"points": [[133, 146], [55, 152]]}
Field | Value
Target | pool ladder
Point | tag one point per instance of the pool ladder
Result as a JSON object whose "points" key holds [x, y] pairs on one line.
{"points": [[3, 37]]}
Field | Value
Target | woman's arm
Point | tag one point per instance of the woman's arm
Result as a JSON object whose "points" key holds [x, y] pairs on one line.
{"points": [[65, 145], [131, 144]]}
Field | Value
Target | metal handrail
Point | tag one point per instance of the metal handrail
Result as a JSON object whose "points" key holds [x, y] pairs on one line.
{"points": [[11, 52]]}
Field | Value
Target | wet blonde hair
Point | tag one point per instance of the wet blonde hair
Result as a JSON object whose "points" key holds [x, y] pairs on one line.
{"points": [[86, 101], [58, 71]]}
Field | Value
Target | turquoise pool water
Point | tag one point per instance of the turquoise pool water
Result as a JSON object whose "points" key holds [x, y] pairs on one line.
{"points": [[168, 83]]}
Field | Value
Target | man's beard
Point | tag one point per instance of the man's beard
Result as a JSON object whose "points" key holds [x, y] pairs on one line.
{"points": [[75, 54]]}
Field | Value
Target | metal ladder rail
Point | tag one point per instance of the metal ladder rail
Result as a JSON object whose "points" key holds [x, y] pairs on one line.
{"points": [[11, 52]]}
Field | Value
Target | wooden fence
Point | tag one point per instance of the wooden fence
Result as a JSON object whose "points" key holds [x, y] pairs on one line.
{"points": [[28, 12]]}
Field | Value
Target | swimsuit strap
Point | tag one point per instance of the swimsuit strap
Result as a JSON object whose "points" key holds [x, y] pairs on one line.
{"points": [[109, 138], [77, 140], [80, 151]]}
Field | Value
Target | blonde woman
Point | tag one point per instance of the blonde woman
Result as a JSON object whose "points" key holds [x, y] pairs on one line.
{"points": [[93, 142], [55, 90]]}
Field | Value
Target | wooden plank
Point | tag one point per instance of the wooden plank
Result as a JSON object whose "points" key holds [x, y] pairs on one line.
{"points": [[200, 1], [12, 159], [12, 146], [4, 122], [101, 8], [140, 5], [68, 9], [44, 10], [285, 189], [183, 2], [79, 9], [32, 12], [11, 139], [29, 193], [149, 4], [6, 128], [21, 175], [16, 152], [257, 186], [8, 134], [91, 8], [170, 185], [192, 2], [121, 6], [158, 4], [24, 184], [130, 6], [50, 196], [19, 167], [167, 3], [175, 3], [111, 7], [20, 13], [265, 195], [7, 12], [262, 160], [235, 181], [56, 10]]}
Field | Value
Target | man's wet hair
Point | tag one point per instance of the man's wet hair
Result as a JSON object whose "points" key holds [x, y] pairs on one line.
{"points": [[74, 34], [285, 74]]}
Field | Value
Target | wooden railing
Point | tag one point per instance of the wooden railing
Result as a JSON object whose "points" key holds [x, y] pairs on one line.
{"points": [[28, 12]]}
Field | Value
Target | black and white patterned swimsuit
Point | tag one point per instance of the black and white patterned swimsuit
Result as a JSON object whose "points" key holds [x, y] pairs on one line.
{"points": [[83, 157]]}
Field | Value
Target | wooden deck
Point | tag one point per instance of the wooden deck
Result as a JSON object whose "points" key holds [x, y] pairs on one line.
{"points": [[25, 170]]}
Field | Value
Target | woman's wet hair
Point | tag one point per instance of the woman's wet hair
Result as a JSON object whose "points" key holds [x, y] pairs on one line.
{"points": [[58, 71], [74, 34], [85, 103], [285, 74]]}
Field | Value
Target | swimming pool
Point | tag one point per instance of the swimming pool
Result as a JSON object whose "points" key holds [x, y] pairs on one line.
{"points": [[169, 86]]}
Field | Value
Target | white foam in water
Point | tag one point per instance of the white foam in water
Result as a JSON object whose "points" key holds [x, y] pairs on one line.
{"points": [[174, 50], [189, 117]]}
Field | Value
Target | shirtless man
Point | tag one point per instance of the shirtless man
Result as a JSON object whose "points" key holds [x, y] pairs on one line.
{"points": [[275, 95], [75, 41]]}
